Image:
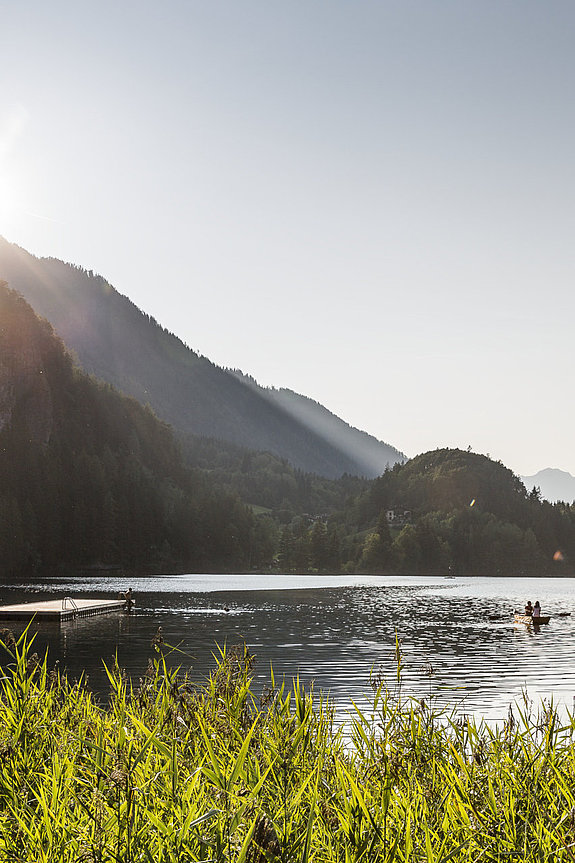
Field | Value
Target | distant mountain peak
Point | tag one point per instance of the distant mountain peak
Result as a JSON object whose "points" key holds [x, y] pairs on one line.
{"points": [[554, 484]]}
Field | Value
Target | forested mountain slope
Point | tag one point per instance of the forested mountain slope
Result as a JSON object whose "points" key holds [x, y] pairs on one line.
{"points": [[119, 344], [371, 455], [464, 512], [445, 511], [90, 477]]}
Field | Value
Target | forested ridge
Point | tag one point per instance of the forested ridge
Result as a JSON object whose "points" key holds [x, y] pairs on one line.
{"points": [[89, 477], [268, 482], [120, 344], [443, 511]]}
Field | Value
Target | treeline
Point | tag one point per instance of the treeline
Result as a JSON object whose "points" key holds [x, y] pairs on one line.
{"points": [[444, 511], [91, 478]]}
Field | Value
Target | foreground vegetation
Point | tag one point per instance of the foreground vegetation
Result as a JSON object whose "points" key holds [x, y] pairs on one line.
{"points": [[172, 772]]}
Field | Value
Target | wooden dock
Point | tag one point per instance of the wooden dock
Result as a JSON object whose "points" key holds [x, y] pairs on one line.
{"points": [[65, 608]]}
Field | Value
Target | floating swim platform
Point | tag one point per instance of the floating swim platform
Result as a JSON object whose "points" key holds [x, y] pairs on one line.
{"points": [[65, 608]]}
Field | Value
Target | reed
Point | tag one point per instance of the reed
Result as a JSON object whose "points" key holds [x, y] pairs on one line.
{"points": [[172, 772]]}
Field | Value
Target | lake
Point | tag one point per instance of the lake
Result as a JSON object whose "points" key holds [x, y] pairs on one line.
{"points": [[333, 630]]}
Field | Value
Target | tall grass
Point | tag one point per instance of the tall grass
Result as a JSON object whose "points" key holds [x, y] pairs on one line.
{"points": [[170, 771]]}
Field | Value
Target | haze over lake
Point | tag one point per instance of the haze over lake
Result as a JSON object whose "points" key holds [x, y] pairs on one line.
{"points": [[457, 635]]}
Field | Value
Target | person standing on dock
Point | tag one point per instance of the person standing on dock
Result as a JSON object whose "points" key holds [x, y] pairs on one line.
{"points": [[129, 601]]}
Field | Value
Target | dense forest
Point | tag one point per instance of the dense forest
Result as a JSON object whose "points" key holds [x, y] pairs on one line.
{"points": [[443, 511], [92, 478], [267, 482], [89, 477]]}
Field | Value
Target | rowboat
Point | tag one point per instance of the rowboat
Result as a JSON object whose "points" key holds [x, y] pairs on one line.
{"points": [[528, 618]]}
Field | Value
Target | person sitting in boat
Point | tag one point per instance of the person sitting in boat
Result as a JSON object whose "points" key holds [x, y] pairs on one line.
{"points": [[529, 608], [537, 609]]}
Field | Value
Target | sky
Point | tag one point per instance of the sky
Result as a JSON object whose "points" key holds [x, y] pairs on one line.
{"points": [[370, 203]]}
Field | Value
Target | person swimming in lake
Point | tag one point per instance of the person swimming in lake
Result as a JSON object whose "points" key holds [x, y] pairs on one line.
{"points": [[529, 608], [537, 609]]}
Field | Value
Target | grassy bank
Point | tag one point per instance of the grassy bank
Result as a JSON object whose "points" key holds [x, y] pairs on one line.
{"points": [[168, 771]]}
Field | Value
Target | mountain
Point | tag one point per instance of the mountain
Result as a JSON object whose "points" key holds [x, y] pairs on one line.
{"points": [[554, 484], [116, 342], [451, 510], [369, 452], [89, 477]]}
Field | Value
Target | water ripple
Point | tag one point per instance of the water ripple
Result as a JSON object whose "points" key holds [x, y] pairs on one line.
{"points": [[456, 637]]}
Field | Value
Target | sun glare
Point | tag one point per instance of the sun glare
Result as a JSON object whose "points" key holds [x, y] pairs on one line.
{"points": [[6, 191], [8, 202], [11, 129]]}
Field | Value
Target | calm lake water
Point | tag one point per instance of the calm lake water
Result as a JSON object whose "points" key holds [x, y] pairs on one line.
{"points": [[457, 634]]}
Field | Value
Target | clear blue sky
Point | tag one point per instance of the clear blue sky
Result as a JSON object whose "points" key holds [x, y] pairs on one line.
{"points": [[371, 203]]}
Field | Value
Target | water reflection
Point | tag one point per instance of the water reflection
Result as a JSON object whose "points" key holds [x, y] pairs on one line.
{"points": [[457, 637]]}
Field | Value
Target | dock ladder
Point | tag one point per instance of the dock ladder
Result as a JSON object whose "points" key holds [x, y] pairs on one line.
{"points": [[72, 603]]}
